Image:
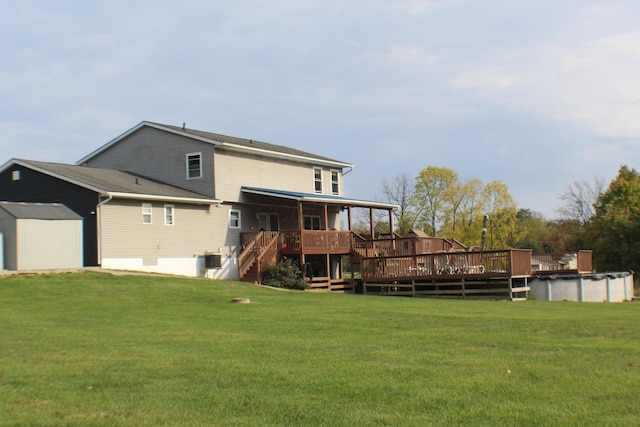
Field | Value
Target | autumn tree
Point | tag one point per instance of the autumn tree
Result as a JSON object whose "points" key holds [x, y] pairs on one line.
{"points": [[502, 209], [443, 205], [466, 208], [431, 196]]}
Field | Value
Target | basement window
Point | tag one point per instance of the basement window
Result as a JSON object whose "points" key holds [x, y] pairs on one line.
{"points": [[213, 261]]}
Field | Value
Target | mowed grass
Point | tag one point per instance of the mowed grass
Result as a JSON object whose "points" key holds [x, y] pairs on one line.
{"points": [[93, 349]]}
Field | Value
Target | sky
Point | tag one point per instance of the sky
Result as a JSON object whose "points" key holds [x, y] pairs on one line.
{"points": [[535, 93]]}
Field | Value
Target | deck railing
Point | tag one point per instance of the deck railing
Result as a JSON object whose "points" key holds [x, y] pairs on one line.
{"points": [[316, 241], [580, 261], [507, 263]]}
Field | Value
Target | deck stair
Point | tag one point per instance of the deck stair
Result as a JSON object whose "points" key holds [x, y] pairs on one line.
{"points": [[255, 250]]}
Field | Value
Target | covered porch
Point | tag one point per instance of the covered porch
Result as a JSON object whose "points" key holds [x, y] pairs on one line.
{"points": [[309, 228]]}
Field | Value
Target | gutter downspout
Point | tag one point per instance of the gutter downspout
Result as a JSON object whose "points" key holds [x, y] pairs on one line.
{"points": [[99, 227]]}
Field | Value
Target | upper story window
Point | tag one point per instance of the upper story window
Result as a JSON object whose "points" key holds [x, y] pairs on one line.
{"points": [[335, 182], [194, 165], [234, 218], [169, 215], [15, 175], [146, 213], [317, 179]]}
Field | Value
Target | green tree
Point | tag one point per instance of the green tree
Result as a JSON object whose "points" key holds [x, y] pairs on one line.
{"points": [[614, 229], [535, 232]]}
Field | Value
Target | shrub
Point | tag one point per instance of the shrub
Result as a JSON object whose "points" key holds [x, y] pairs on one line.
{"points": [[286, 274]]}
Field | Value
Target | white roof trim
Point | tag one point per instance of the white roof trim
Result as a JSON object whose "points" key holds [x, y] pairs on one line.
{"points": [[190, 200], [274, 154]]}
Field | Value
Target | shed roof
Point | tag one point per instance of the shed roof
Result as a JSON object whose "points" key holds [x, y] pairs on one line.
{"points": [[112, 182], [47, 211]]}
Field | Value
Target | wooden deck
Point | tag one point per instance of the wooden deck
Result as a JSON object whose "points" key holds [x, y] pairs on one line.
{"points": [[488, 274], [448, 265], [401, 267]]}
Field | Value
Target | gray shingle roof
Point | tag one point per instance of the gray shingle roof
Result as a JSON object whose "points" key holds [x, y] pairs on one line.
{"points": [[247, 143], [47, 211], [110, 181]]}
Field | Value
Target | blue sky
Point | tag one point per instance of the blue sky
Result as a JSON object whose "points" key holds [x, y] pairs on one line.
{"points": [[534, 93]]}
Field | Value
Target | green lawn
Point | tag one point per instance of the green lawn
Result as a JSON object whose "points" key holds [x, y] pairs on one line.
{"points": [[93, 349]]}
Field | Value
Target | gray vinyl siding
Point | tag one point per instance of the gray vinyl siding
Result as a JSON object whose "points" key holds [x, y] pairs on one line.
{"points": [[234, 170], [197, 229], [161, 156]]}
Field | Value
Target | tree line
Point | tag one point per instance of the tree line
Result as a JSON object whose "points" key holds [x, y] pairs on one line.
{"points": [[605, 219]]}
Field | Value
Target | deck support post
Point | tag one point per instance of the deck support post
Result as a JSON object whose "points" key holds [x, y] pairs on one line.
{"points": [[372, 232]]}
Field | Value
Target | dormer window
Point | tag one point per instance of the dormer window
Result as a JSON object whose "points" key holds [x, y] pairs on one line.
{"points": [[194, 165], [317, 179]]}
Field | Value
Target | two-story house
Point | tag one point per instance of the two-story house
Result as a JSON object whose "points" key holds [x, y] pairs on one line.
{"points": [[175, 200]]}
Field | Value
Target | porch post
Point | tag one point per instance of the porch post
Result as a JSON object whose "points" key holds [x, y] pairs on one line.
{"points": [[371, 224], [326, 217], [349, 218], [300, 217], [391, 223], [300, 229]]}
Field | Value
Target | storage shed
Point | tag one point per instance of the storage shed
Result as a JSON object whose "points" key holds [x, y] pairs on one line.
{"points": [[40, 236]]}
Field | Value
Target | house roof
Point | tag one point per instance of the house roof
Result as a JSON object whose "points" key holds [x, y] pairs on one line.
{"points": [[112, 182], [47, 211], [317, 198], [228, 143]]}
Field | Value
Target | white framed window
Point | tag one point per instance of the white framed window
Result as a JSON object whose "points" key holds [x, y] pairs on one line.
{"points": [[194, 165], [15, 175], [169, 215], [335, 182], [234, 218], [317, 179], [311, 222], [147, 210]]}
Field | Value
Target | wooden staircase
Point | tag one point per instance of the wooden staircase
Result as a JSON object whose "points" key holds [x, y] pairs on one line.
{"points": [[263, 247]]}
